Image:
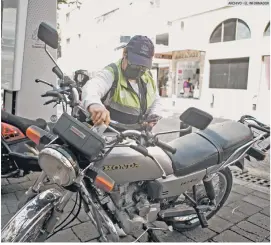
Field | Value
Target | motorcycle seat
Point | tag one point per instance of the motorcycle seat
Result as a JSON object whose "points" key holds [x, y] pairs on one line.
{"points": [[203, 149], [21, 122], [227, 137]]}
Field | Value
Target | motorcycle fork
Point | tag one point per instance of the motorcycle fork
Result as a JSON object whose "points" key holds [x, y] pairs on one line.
{"points": [[57, 212], [33, 190], [93, 211]]}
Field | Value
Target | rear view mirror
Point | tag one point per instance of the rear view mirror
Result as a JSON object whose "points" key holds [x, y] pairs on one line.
{"points": [[196, 118], [48, 35], [81, 77]]}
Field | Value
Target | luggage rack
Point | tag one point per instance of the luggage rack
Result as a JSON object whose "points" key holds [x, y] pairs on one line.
{"points": [[247, 146]]}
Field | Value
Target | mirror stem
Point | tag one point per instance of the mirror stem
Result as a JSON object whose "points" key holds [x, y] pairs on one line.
{"points": [[51, 57]]}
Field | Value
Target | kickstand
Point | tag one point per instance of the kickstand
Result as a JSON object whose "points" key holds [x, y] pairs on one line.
{"points": [[201, 216], [149, 228]]}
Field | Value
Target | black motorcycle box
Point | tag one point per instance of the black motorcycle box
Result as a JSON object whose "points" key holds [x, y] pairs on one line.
{"points": [[79, 136]]}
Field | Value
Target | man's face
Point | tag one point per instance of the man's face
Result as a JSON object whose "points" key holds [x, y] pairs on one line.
{"points": [[132, 71]]}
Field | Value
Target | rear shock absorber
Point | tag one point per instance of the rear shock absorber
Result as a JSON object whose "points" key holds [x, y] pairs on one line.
{"points": [[209, 188]]}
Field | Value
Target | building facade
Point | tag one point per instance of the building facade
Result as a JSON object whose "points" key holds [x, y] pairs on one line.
{"points": [[236, 76], [224, 50]]}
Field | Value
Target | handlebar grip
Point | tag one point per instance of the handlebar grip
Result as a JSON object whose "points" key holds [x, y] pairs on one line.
{"points": [[66, 83], [50, 101], [266, 130], [165, 146], [52, 94], [141, 149], [57, 71]]}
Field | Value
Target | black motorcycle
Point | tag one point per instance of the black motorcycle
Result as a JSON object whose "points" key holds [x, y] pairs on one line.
{"points": [[19, 154]]}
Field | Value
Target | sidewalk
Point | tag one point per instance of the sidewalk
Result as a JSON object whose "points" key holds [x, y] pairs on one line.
{"points": [[244, 218]]}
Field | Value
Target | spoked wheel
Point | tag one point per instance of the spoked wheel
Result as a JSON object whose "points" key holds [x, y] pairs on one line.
{"points": [[35, 234], [26, 230], [222, 182]]}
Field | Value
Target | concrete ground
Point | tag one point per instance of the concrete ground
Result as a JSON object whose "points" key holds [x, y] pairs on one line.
{"points": [[244, 218]]}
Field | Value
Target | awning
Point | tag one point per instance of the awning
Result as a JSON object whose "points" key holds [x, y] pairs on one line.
{"points": [[178, 54]]}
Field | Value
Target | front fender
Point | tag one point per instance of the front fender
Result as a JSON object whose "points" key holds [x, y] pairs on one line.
{"points": [[19, 225]]}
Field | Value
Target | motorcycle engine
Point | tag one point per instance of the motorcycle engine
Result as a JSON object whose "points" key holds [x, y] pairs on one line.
{"points": [[132, 207]]}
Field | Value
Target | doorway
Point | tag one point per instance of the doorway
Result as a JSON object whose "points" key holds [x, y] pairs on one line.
{"points": [[163, 79]]}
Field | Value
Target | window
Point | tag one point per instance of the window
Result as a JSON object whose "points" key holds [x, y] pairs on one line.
{"points": [[124, 39], [230, 30], [242, 31], [267, 30], [79, 36], [8, 37], [162, 39], [68, 41], [67, 17], [217, 35], [229, 73]]}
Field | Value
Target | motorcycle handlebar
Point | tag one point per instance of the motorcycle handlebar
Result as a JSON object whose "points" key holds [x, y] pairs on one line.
{"points": [[50, 101], [66, 83], [57, 71], [44, 82], [52, 94], [266, 130], [165, 146]]}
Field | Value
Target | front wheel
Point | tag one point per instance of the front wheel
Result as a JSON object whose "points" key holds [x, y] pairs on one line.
{"points": [[222, 182], [27, 225]]}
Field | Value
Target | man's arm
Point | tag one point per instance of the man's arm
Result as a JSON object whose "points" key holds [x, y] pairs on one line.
{"points": [[156, 108], [92, 93], [96, 88]]}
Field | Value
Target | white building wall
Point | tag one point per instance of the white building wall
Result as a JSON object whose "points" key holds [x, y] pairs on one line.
{"points": [[95, 48], [229, 103]]}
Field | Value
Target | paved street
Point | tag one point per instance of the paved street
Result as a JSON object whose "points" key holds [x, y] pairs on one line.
{"points": [[244, 218]]}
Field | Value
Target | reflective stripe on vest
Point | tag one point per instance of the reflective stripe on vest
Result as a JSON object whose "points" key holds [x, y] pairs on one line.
{"points": [[125, 104]]}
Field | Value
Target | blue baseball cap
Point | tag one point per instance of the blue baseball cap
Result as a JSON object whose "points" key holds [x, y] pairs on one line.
{"points": [[140, 51]]}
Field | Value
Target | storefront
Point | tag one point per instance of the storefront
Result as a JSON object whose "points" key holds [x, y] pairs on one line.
{"points": [[184, 74]]}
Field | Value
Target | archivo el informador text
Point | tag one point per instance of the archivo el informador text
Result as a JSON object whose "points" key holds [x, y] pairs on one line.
{"points": [[248, 3]]}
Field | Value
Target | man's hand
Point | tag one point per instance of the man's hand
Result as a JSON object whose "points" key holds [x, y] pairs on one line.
{"points": [[152, 120], [99, 114]]}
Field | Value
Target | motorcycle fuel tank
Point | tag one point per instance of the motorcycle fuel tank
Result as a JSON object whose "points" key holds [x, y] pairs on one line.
{"points": [[126, 165]]}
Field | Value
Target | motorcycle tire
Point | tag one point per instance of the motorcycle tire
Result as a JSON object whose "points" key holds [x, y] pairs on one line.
{"points": [[181, 227], [28, 224]]}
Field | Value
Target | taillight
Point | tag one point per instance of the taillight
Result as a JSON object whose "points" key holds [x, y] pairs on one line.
{"points": [[11, 133]]}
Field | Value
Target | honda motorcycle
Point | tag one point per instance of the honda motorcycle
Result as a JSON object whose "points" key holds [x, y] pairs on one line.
{"points": [[124, 185]]}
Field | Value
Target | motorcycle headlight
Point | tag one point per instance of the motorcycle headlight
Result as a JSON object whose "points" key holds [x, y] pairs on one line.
{"points": [[59, 164]]}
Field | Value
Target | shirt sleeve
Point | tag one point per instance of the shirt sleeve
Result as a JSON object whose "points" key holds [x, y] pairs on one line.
{"points": [[96, 88], [156, 107]]}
